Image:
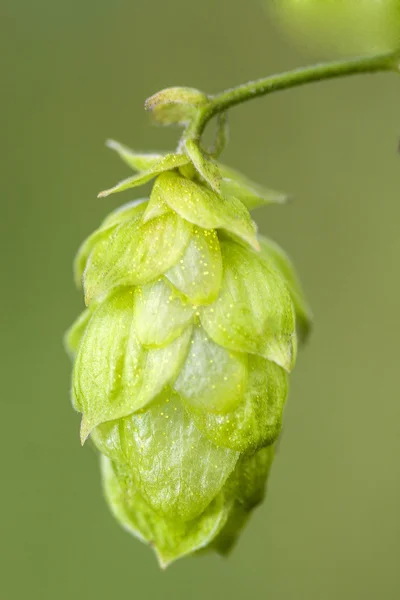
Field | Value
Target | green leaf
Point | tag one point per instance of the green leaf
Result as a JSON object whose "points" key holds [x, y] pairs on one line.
{"points": [[207, 169], [176, 105], [135, 254], [73, 336], [113, 374], [204, 208], [166, 163], [170, 539], [253, 312], [275, 256], [249, 479], [161, 314], [251, 194], [246, 488], [138, 161], [257, 420], [177, 469], [127, 211], [198, 274], [227, 538], [212, 378]]}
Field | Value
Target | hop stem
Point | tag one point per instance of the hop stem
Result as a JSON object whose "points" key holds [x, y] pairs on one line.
{"points": [[254, 89]]}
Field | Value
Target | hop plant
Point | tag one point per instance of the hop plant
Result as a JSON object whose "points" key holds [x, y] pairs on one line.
{"points": [[182, 356]]}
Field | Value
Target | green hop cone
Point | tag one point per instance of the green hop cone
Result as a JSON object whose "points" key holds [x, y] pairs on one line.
{"points": [[181, 358]]}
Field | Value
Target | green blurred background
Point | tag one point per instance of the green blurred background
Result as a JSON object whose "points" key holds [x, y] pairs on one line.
{"points": [[77, 72]]}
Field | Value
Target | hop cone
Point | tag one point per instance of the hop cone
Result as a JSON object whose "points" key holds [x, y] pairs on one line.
{"points": [[182, 356]]}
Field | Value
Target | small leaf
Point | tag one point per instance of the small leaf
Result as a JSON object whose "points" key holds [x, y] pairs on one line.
{"points": [[204, 208], [251, 194], [177, 470], [136, 160], [257, 420], [275, 256], [166, 163], [176, 105], [126, 211], [135, 254], [212, 378], [73, 336], [208, 170], [254, 312], [113, 374], [171, 539], [198, 274], [160, 314]]}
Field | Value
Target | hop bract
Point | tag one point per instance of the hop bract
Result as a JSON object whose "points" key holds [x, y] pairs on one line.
{"points": [[182, 356]]}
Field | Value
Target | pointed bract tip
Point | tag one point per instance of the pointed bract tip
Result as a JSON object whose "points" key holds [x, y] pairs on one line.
{"points": [[162, 563], [286, 198], [84, 431], [282, 198], [88, 297], [113, 145]]}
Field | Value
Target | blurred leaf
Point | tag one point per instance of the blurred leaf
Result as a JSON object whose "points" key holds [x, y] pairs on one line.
{"points": [[252, 195], [221, 136], [341, 26], [246, 487], [250, 476]]}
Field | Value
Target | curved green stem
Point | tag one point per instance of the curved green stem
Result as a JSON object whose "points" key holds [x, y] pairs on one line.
{"points": [[221, 102]]}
